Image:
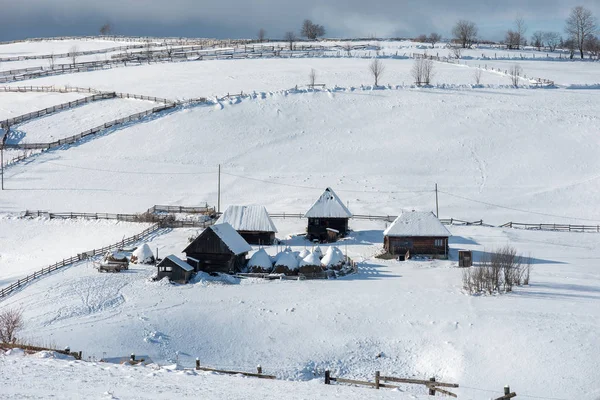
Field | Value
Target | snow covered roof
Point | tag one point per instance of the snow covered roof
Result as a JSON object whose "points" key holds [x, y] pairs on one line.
{"points": [[248, 218], [328, 205], [180, 263], [415, 223], [231, 238]]}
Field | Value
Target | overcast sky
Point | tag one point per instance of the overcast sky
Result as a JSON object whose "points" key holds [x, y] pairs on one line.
{"points": [[243, 18]]}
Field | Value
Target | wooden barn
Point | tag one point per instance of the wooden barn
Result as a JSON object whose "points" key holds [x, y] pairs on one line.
{"points": [[175, 269], [327, 218], [419, 233], [251, 222], [219, 248]]}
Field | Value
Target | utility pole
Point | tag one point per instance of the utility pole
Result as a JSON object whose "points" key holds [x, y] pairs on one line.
{"points": [[437, 208], [219, 192]]}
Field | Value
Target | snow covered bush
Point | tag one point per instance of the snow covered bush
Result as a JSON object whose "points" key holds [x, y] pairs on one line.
{"points": [[497, 272]]}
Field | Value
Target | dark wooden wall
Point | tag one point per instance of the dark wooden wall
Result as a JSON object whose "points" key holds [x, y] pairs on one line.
{"points": [[416, 245], [177, 274], [265, 238], [317, 227], [213, 254]]}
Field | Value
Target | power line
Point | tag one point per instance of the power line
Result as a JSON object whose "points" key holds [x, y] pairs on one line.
{"points": [[516, 209]]}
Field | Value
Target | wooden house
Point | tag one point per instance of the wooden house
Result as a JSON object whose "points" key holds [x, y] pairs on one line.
{"points": [[418, 233], [175, 269], [327, 218], [219, 248], [253, 223]]}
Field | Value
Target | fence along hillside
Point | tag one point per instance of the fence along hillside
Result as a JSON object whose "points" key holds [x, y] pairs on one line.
{"points": [[50, 110], [79, 257]]}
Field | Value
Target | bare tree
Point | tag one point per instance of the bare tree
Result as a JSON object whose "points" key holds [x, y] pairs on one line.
{"points": [[520, 30], [311, 31], [290, 37], [537, 40], [169, 51], [592, 45], [477, 73], [514, 74], [106, 29], [73, 54], [465, 33], [421, 38], [11, 322], [312, 78], [422, 71], [148, 50], [456, 52], [511, 39], [552, 39], [348, 48], [377, 69], [261, 35], [51, 61], [571, 45], [434, 38], [581, 24]]}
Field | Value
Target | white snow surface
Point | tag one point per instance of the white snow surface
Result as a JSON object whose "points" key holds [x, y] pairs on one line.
{"points": [[253, 218], [13, 104], [415, 223], [260, 259], [233, 240], [75, 120], [328, 205], [28, 245], [50, 46]]}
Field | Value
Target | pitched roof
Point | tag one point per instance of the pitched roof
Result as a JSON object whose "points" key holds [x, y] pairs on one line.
{"points": [[180, 263], [411, 224], [231, 238], [248, 218], [328, 205]]}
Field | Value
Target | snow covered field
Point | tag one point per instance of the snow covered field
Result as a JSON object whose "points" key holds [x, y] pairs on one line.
{"points": [[75, 120], [56, 47], [28, 245], [14, 104], [476, 144], [413, 312]]}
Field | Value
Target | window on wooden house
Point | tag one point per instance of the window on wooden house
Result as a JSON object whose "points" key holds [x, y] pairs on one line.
{"points": [[439, 242]]}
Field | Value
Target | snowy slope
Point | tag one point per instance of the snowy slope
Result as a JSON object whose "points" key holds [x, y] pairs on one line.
{"points": [[75, 120], [15, 104], [28, 245], [381, 151], [414, 313], [46, 377], [56, 46]]}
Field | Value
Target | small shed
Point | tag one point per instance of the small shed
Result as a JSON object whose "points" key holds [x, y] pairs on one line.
{"points": [[419, 233], [175, 269], [465, 258], [219, 248], [253, 223], [327, 218]]}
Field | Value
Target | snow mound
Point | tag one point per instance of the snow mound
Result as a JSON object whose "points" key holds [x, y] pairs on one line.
{"points": [[143, 255], [318, 252], [260, 260], [303, 254], [287, 260], [310, 260], [333, 258]]}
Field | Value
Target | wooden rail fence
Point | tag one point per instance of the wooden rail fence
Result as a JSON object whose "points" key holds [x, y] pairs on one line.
{"points": [[79, 257], [257, 374], [553, 227], [50, 110]]}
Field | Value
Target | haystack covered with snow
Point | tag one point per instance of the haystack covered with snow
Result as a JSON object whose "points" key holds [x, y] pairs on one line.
{"points": [[253, 223], [286, 262], [311, 259], [334, 258], [317, 250], [260, 262], [303, 254], [143, 255]]}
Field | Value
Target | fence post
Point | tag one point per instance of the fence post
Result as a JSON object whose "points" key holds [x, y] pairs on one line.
{"points": [[327, 378], [506, 390], [259, 369], [431, 389], [197, 363], [377, 379]]}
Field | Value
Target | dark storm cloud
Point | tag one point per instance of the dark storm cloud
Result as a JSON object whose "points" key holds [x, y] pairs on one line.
{"points": [[242, 18]]}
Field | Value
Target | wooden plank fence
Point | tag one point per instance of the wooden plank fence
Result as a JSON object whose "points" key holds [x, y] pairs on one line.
{"points": [[93, 131], [70, 54], [553, 227], [257, 374], [50, 110], [79, 257]]}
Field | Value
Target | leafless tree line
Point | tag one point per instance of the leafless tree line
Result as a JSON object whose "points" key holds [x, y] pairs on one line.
{"points": [[422, 71], [11, 322], [499, 271]]}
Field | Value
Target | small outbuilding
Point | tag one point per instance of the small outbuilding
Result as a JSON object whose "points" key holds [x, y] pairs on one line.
{"points": [[253, 223], [175, 269], [327, 218], [219, 248], [418, 233]]}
